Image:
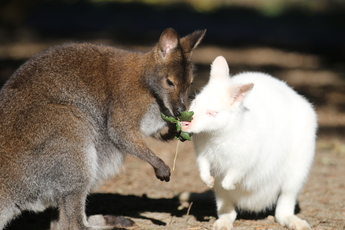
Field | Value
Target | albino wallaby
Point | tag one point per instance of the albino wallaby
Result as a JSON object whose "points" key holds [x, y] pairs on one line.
{"points": [[70, 114], [255, 140]]}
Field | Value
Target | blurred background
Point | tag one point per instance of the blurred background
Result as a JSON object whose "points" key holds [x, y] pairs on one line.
{"points": [[299, 41]]}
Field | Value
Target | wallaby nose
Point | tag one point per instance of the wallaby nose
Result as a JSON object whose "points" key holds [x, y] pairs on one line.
{"points": [[179, 110]]}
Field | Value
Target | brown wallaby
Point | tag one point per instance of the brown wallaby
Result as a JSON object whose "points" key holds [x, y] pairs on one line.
{"points": [[70, 114]]}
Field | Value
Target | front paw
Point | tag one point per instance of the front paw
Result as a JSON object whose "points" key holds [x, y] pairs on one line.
{"points": [[228, 185], [209, 181], [163, 172]]}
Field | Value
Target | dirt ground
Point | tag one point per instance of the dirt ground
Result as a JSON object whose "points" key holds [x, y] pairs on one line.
{"points": [[152, 204]]}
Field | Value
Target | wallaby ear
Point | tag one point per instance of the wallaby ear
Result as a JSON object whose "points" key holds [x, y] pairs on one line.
{"points": [[192, 40], [219, 68], [167, 42], [239, 92]]}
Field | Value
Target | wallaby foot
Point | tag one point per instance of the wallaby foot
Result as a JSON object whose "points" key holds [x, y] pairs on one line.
{"points": [[293, 222], [110, 221], [222, 224], [285, 213]]}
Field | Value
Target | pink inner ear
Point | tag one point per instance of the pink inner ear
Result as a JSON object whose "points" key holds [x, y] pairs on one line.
{"points": [[211, 113], [167, 49], [240, 92]]}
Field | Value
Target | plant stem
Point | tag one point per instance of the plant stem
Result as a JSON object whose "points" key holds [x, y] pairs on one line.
{"points": [[175, 155]]}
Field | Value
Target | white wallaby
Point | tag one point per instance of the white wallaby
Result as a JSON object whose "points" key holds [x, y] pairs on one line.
{"points": [[255, 141]]}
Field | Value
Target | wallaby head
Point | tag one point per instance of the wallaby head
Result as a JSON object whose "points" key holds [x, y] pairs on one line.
{"points": [[173, 70], [218, 102]]}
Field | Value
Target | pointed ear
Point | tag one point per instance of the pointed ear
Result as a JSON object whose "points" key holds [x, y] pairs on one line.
{"points": [[219, 68], [192, 40], [167, 42], [239, 92]]}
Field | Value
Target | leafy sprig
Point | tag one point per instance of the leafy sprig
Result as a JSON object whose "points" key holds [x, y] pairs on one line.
{"points": [[185, 116]]}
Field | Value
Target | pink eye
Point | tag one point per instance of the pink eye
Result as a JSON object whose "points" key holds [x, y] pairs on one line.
{"points": [[212, 113]]}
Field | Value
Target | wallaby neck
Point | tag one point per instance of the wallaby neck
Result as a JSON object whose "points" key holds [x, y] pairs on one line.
{"points": [[129, 75]]}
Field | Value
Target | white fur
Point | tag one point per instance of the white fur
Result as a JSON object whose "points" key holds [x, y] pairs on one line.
{"points": [[107, 166], [150, 126], [254, 143]]}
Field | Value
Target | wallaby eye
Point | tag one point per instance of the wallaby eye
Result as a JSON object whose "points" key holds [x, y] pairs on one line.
{"points": [[170, 83], [212, 113]]}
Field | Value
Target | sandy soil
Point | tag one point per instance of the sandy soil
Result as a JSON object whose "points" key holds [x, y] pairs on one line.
{"points": [[152, 204]]}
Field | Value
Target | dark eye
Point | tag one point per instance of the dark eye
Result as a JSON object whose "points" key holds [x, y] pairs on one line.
{"points": [[170, 83]]}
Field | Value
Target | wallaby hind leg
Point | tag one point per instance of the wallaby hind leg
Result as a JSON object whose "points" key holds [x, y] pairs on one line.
{"points": [[72, 217], [71, 213], [292, 184], [285, 213], [225, 209]]}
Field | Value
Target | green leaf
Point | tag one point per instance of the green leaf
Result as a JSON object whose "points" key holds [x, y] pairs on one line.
{"points": [[169, 119], [178, 126], [185, 135], [186, 116]]}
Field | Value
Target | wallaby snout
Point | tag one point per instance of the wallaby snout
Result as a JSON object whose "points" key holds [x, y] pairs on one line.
{"points": [[179, 101], [179, 110]]}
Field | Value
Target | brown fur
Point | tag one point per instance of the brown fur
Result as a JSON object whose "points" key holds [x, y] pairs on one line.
{"points": [[69, 114]]}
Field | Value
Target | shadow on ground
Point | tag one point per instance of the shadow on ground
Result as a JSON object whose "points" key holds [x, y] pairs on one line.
{"points": [[119, 205], [131, 206]]}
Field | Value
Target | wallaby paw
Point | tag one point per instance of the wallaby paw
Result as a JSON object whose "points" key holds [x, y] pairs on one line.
{"points": [[110, 221], [228, 186], [222, 224], [299, 224], [163, 172], [293, 222], [209, 181]]}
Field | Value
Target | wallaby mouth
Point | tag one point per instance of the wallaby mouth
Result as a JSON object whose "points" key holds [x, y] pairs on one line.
{"points": [[185, 125]]}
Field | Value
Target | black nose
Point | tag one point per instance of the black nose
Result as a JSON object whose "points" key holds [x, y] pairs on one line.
{"points": [[179, 110]]}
